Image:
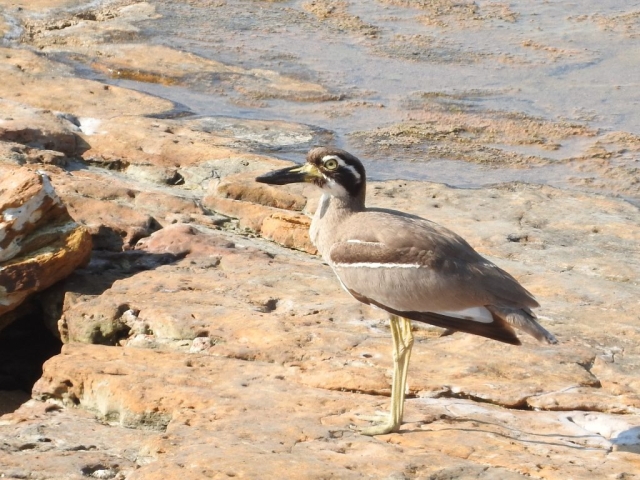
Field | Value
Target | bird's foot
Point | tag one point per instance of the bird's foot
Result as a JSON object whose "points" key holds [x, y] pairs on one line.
{"points": [[380, 429], [383, 424]]}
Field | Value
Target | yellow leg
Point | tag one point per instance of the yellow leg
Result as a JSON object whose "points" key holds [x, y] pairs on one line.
{"points": [[402, 343]]}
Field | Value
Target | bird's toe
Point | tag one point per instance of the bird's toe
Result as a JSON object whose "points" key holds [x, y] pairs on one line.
{"points": [[380, 429], [382, 424]]}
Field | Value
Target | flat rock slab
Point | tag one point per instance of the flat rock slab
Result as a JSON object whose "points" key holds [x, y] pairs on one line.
{"points": [[220, 348], [278, 306], [187, 304], [37, 442], [240, 349], [215, 417]]}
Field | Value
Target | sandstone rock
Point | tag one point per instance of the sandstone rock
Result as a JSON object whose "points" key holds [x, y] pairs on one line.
{"points": [[586, 399], [28, 79], [173, 151], [120, 141], [118, 211], [618, 378], [27, 202], [105, 125], [40, 5], [290, 230], [245, 188], [164, 65], [184, 240], [40, 243], [250, 216], [117, 228], [40, 129], [568, 247], [305, 295], [196, 291], [261, 208], [184, 428], [34, 444]]}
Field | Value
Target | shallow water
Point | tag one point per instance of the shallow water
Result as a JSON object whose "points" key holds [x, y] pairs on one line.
{"points": [[573, 61]]}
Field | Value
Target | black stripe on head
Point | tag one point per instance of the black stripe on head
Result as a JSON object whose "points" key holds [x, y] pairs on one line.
{"points": [[340, 166]]}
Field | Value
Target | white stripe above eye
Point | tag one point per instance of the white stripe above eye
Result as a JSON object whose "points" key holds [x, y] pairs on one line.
{"points": [[343, 164], [377, 265]]}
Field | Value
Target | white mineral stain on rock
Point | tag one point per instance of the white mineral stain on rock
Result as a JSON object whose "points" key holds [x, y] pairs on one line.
{"points": [[89, 126], [29, 211], [200, 344], [617, 430]]}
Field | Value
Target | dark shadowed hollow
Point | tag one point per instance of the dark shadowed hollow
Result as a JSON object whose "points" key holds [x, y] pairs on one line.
{"points": [[24, 346]]}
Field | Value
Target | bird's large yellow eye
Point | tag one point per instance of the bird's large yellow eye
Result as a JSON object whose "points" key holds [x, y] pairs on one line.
{"points": [[330, 164]]}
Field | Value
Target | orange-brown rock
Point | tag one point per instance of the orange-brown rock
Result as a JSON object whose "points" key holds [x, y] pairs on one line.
{"points": [[87, 450], [250, 216], [27, 79], [117, 210], [183, 240], [40, 244], [221, 337], [214, 416], [272, 212], [245, 188], [223, 334], [37, 128], [290, 230]]}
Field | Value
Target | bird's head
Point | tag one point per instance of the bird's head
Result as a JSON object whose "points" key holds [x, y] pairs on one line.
{"points": [[335, 171]]}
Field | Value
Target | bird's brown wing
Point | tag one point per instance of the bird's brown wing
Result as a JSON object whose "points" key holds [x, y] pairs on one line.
{"points": [[498, 329], [374, 257], [424, 272]]}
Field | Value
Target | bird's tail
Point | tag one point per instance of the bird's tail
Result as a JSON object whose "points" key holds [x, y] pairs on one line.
{"points": [[525, 320]]}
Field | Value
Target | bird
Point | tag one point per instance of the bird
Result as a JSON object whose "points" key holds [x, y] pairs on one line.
{"points": [[411, 267]]}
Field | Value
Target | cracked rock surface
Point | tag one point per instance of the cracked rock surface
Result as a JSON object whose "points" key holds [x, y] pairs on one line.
{"points": [[204, 339]]}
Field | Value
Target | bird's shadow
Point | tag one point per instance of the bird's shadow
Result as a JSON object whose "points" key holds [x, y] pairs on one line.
{"points": [[628, 440]]}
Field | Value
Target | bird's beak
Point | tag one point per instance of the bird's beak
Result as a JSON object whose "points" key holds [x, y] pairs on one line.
{"points": [[297, 174]]}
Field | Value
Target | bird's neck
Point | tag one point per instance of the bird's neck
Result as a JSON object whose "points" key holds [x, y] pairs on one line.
{"points": [[350, 203], [330, 214], [341, 206]]}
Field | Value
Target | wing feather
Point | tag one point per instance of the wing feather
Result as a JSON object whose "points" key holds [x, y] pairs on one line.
{"points": [[498, 330], [425, 267], [415, 268]]}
